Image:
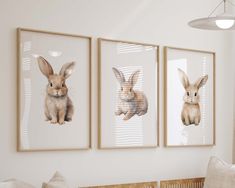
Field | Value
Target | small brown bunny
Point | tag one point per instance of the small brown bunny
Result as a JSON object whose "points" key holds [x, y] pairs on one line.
{"points": [[58, 106], [191, 109], [130, 101]]}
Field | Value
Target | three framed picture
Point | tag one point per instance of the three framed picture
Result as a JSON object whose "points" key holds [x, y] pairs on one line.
{"points": [[54, 94]]}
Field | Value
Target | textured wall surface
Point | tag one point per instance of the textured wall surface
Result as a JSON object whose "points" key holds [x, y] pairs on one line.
{"points": [[162, 22]]}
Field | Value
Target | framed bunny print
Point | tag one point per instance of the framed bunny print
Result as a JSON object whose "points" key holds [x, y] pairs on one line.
{"points": [[53, 91], [128, 94], [189, 97]]}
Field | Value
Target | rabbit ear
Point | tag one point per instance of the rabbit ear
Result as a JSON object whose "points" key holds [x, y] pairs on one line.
{"points": [[67, 69], [201, 81], [45, 66], [183, 78], [134, 77], [119, 75]]}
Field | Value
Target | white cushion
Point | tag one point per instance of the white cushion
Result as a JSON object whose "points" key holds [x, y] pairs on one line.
{"points": [[14, 183], [6, 185], [219, 174], [57, 181]]}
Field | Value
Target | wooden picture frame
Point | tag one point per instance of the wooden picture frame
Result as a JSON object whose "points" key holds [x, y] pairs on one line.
{"points": [[61, 97], [189, 101], [116, 128]]}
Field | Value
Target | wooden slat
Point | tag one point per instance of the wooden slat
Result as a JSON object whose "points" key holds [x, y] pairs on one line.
{"points": [[131, 185], [183, 183]]}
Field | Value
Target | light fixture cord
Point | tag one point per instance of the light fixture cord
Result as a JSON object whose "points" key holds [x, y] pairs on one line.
{"points": [[233, 4], [225, 6], [223, 1]]}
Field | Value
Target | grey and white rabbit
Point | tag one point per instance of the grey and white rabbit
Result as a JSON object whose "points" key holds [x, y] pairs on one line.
{"points": [[58, 106], [130, 101], [191, 109]]}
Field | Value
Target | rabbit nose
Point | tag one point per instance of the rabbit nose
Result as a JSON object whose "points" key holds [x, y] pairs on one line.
{"points": [[57, 91]]}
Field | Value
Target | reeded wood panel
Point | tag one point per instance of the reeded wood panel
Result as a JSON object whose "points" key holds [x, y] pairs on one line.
{"points": [[132, 185], [183, 183]]}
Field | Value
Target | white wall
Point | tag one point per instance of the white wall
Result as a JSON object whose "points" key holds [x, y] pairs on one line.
{"points": [[162, 22]]}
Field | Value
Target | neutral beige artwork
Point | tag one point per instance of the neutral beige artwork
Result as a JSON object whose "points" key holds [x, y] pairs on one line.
{"points": [[58, 105], [130, 102], [128, 94], [54, 91], [189, 97], [191, 113]]}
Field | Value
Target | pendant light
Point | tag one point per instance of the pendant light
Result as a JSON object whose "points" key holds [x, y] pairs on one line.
{"points": [[224, 21]]}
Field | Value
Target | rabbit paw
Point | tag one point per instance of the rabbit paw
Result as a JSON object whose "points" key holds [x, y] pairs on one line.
{"points": [[68, 119], [196, 123], [141, 113], [53, 121], [61, 122], [126, 118], [186, 122], [118, 113]]}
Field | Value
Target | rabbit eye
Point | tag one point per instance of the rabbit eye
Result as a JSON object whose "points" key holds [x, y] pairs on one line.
{"points": [[188, 93], [130, 89], [51, 84], [122, 88], [63, 85], [195, 94]]}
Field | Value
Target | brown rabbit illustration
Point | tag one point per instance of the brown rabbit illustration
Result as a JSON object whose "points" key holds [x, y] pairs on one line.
{"points": [[130, 101], [191, 109], [58, 106]]}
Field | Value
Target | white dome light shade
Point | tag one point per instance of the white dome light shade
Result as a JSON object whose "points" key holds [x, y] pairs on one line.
{"points": [[214, 23], [224, 24]]}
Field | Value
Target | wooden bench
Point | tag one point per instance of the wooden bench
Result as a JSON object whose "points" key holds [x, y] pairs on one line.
{"points": [[183, 183], [178, 183], [130, 185]]}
